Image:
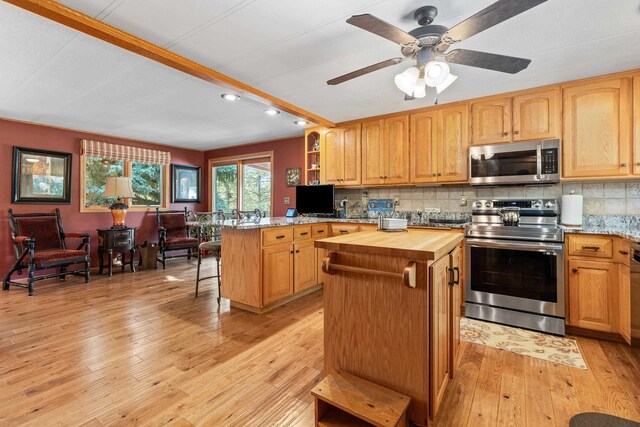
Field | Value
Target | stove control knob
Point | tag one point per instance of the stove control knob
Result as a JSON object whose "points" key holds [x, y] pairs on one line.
{"points": [[536, 204], [477, 205], [548, 205], [488, 204]]}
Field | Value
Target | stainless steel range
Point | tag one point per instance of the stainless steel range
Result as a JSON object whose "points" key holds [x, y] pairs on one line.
{"points": [[514, 251]]}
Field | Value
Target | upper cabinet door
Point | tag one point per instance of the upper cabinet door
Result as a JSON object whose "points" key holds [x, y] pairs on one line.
{"points": [[536, 115], [372, 170], [597, 121], [636, 125], [332, 144], [453, 142], [351, 155], [491, 121], [395, 143], [423, 146]]}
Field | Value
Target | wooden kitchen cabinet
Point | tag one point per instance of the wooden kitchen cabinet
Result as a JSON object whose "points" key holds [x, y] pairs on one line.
{"points": [[440, 333], [491, 121], [304, 266], [536, 115], [385, 151], [593, 295], [340, 151], [597, 117], [372, 168], [277, 272], [438, 146]]}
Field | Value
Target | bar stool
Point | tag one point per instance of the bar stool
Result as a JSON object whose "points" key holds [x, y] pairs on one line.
{"points": [[209, 229]]}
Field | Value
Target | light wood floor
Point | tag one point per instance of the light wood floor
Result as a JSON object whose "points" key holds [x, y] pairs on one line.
{"points": [[139, 349]]}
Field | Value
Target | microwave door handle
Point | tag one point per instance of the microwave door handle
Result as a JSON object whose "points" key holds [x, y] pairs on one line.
{"points": [[539, 162]]}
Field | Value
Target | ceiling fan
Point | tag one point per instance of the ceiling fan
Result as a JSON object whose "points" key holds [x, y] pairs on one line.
{"points": [[427, 45]]}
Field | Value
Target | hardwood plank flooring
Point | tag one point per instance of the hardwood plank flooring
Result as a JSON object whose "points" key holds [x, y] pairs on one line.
{"points": [[140, 349]]}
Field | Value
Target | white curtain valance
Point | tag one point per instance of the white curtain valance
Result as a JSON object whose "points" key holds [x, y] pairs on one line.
{"points": [[122, 152]]}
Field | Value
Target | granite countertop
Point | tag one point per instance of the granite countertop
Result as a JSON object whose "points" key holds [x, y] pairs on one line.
{"points": [[283, 221], [625, 226]]}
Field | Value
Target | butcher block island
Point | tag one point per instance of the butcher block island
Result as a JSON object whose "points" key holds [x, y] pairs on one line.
{"points": [[392, 311]]}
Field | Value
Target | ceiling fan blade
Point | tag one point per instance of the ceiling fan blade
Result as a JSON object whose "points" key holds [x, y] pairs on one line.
{"points": [[496, 13], [383, 29], [365, 70], [489, 61]]}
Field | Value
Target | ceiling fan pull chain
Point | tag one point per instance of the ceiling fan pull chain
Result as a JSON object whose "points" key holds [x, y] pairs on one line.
{"points": [[436, 100]]}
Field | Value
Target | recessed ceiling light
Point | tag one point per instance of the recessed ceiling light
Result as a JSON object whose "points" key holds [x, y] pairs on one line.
{"points": [[301, 122], [271, 112], [230, 97]]}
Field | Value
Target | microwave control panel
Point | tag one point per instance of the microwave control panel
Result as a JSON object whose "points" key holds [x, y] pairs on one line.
{"points": [[549, 161]]}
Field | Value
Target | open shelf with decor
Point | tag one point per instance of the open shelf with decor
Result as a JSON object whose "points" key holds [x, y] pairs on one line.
{"points": [[312, 156]]}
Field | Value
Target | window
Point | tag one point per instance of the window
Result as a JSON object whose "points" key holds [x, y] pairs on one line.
{"points": [[147, 169], [244, 184]]}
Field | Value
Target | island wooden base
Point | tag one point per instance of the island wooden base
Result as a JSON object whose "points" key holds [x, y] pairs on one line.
{"points": [[276, 304]]}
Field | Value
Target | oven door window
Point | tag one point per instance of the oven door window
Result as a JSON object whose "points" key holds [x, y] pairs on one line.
{"points": [[517, 163], [516, 273]]}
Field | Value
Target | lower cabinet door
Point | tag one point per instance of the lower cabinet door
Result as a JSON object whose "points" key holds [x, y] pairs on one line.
{"points": [[319, 257], [455, 259], [304, 266], [593, 292], [439, 333], [277, 273]]}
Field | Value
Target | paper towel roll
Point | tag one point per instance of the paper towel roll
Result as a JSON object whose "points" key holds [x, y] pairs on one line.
{"points": [[572, 210]]}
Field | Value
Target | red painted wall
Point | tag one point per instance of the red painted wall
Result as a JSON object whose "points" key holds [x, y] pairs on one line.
{"points": [[35, 136], [287, 153]]}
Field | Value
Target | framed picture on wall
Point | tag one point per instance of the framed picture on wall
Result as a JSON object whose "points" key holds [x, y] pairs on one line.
{"points": [[41, 176], [293, 177], [185, 184]]}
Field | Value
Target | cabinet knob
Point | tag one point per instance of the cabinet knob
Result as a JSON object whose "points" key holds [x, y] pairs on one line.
{"points": [[439, 174], [434, 174], [516, 132], [624, 252], [505, 133], [638, 164], [623, 165], [575, 270], [385, 177]]}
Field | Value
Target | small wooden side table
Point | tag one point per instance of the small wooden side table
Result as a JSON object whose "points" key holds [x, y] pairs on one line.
{"points": [[120, 241]]}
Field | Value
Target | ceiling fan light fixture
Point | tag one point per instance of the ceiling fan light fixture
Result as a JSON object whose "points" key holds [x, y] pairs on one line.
{"points": [[271, 112], [435, 73], [419, 90], [406, 80], [301, 122], [230, 96], [445, 84]]}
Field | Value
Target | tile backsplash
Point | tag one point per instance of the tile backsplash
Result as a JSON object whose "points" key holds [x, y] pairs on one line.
{"points": [[600, 198]]}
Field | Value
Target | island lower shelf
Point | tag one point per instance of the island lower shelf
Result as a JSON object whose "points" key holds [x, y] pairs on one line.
{"points": [[392, 311], [265, 268]]}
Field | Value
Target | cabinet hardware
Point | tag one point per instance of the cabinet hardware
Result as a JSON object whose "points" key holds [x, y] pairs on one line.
{"points": [[439, 174], [408, 275], [624, 252], [638, 164], [344, 231], [516, 132], [591, 248], [505, 133], [280, 236], [575, 270], [623, 165], [457, 279], [451, 275], [291, 252], [320, 231], [297, 251], [304, 233], [434, 174]]}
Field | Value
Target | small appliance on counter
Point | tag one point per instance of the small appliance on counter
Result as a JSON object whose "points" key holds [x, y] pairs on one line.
{"points": [[392, 224]]}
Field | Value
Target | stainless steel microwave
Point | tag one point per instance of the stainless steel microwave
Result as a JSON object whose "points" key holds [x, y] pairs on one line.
{"points": [[530, 162]]}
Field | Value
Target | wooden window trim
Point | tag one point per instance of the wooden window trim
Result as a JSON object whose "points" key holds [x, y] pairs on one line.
{"points": [[166, 190], [238, 160]]}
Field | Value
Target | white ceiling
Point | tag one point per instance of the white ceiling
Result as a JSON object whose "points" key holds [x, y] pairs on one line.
{"points": [[288, 48]]}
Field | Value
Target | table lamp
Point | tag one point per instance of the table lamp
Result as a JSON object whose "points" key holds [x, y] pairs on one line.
{"points": [[120, 188]]}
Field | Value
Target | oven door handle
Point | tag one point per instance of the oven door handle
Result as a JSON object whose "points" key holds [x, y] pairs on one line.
{"points": [[491, 243]]}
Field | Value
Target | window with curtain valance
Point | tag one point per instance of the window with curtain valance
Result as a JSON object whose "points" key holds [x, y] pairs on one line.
{"points": [[147, 168]]}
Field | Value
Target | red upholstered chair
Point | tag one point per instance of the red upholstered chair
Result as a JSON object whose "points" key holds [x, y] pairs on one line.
{"points": [[175, 235], [39, 243]]}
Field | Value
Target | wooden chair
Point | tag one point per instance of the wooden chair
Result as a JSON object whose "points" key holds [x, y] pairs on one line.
{"points": [[39, 243], [210, 232], [174, 234]]}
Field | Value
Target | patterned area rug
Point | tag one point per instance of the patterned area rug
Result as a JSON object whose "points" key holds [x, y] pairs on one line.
{"points": [[534, 344]]}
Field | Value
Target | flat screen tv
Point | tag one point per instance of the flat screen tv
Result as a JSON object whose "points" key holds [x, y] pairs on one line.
{"points": [[315, 199]]}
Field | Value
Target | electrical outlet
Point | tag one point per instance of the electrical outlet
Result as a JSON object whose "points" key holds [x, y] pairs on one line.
{"points": [[463, 201], [287, 201], [396, 200]]}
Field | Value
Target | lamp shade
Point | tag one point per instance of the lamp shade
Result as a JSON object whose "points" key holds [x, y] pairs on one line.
{"points": [[406, 80], [118, 187], [435, 73]]}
